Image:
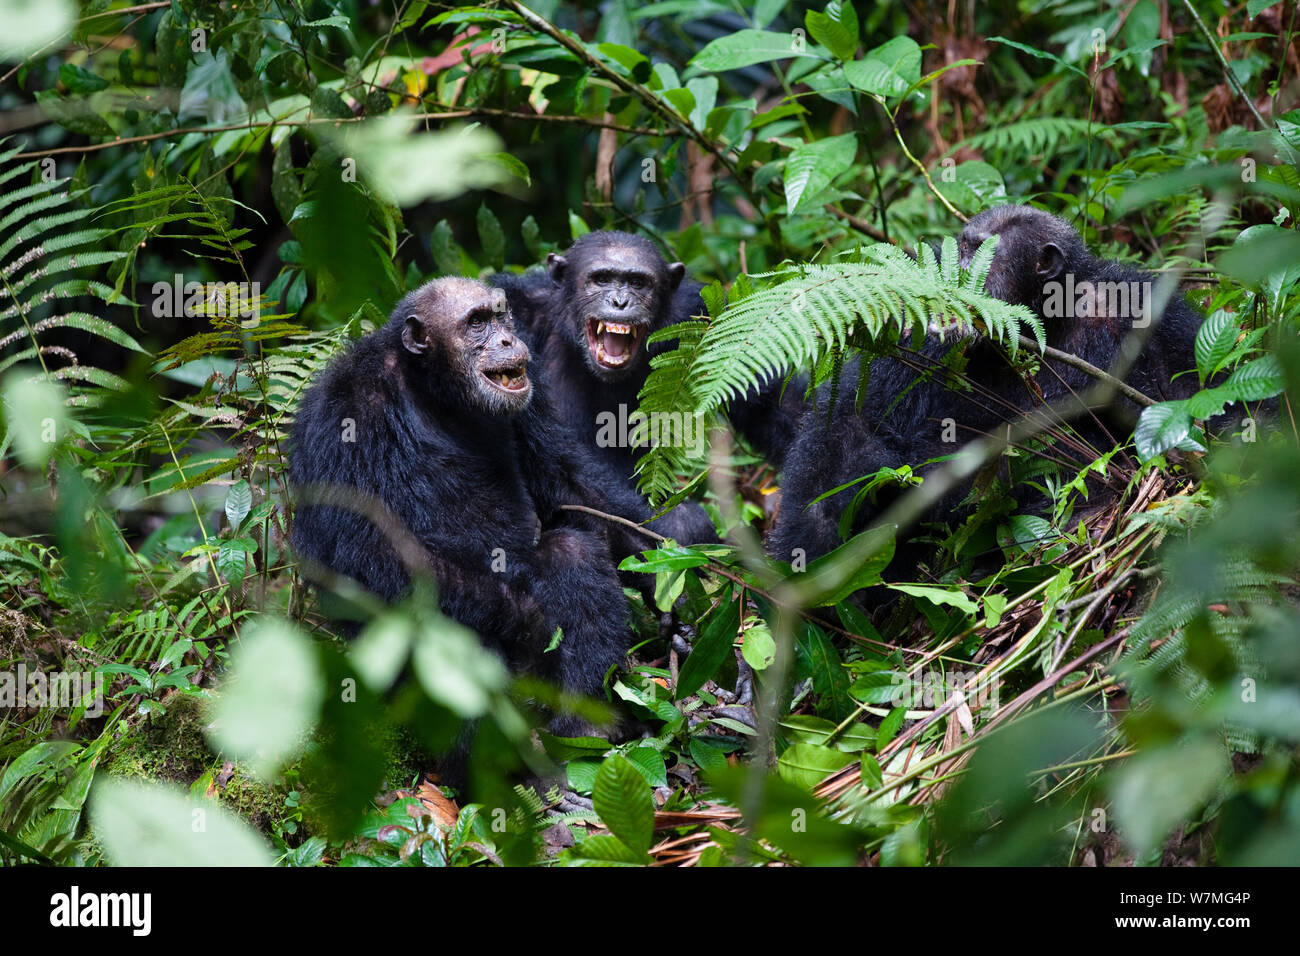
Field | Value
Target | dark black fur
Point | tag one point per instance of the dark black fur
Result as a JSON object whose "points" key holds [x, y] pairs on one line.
{"points": [[901, 417], [467, 468]]}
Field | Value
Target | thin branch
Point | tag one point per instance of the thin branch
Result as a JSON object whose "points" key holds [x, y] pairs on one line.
{"points": [[1223, 64], [1128, 391], [322, 120], [861, 225]]}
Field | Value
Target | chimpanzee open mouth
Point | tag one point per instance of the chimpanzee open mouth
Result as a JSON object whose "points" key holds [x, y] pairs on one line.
{"points": [[613, 344], [513, 379]]}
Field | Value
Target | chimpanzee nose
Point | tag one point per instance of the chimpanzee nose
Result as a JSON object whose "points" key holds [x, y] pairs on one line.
{"points": [[507, 341], [619, 300]]}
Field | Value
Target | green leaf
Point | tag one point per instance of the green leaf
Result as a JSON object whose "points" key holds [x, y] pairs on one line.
{"points": [[745, 48], [35, 418], [836, 29], [650, 764], [81, 81], [813, 166], [512, 165], [1160, 788], [77, 115], [668, 588], [382, 650], [239, 501], [492, 238], [407, 167], [1214, 341], [891, 69], [144, 824], [623, 803], [1257, 380], [1039, 54], [759, 647], [707, 757], [455, 669], [953, 597], [271, 698], [807, 765], [844, 573], [889, 727], [664, 559], [31, 25], [711, 648], [1161, 427], [604, 849]]}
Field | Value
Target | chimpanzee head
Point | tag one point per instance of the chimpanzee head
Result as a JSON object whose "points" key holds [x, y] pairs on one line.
{"points": [[617, 290], [459, 338], [1034, 248]]}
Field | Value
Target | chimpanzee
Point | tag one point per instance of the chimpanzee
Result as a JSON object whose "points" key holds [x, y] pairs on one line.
{"points": [[589, 316], [434, 416], [1088, 306]]}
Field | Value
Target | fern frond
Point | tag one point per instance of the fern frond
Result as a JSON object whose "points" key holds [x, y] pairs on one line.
{"points": [[1040, 136], [799, 315]]}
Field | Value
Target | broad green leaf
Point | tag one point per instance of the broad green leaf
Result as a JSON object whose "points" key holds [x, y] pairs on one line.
{"points": [[668, 588], [808, 764], [650, 764], [836, 29], [843, 571], [706, 756], [745, 48], [239, 501], [716, 640], [271, 696], [31, 25], [1160, 788], [813, 166], [455, 669], [35, 417], [604, 849], [382, 650], [759, 647], [1214, 341], [1256, 380], [1161, 427], [148, 824], [623, 802], [889, 727], [408, 167]]}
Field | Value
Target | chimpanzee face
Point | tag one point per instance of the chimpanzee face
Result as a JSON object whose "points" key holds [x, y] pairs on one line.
{"points": [[467, 334], [1034, 248], [618, 290]]}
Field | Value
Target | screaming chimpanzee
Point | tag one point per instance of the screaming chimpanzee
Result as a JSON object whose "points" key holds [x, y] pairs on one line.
{"points": [[433, 418], [1088, 306], [589, 316]]}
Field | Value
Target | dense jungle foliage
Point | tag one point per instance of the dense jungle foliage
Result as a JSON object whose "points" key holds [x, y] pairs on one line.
{"points": [[1089, 683]]}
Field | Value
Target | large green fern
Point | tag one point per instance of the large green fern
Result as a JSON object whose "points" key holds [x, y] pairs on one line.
{"points": [[802, 315], [43, 254]]}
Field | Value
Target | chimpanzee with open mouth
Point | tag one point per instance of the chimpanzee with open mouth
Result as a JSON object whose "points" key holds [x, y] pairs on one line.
{"points": [[432, 422]]}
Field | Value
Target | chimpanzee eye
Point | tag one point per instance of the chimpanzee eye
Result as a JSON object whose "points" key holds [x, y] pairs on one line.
{"points": [[637, 282], [600, 278]]}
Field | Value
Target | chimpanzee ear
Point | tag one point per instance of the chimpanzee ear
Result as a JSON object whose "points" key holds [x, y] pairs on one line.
{"points": [[413, 337], [555, 265], [1051, 260], [676, 272]]}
